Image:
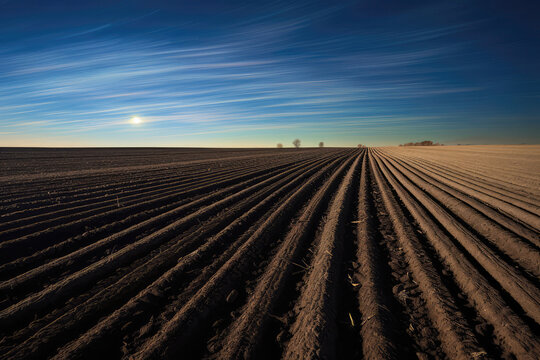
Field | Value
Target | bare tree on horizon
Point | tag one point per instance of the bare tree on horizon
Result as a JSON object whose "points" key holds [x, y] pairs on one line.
{"points": [[280, 146], [321, 144], [296, 143]]}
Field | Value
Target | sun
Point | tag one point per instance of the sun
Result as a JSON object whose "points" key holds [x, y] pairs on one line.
{"points": [[135, 120]]}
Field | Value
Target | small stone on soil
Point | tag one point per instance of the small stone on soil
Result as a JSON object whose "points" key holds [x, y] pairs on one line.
{"points": [[397, 289]]}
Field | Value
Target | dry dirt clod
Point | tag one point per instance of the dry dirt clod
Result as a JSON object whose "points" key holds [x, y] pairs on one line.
{"points": [[479, 355], [218, 323], [281, 336], [157, 293], [233, 295], [126, 326], [147, 328]]}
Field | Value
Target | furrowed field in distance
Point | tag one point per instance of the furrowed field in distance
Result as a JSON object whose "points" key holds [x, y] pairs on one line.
{"points": [[376, 253]]}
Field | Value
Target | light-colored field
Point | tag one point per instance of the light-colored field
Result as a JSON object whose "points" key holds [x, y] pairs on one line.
{"points": [[509, 166]]}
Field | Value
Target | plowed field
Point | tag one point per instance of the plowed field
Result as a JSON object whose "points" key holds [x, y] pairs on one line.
{"points": [[380, 253]]}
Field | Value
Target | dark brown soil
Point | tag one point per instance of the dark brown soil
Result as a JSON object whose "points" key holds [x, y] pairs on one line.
{"points": [[266, 253]]}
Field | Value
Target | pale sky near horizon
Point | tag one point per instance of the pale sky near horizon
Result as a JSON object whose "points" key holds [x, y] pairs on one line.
{"points": [[252, 74]]}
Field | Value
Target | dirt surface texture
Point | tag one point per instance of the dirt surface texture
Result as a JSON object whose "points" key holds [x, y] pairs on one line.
{"points": [[327, 253]]}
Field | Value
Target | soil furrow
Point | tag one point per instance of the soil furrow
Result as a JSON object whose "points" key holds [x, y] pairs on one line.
{"points": [[525, 255], [522, 290], [247, 330], [147, 223], [111, 295], [519, 209], [107, 264], [497, 217], [114, 211], [222, 283], [517, 337], [313, 333], [26, 244], [377, 326], [457, 340], [124, 196], [477, 173]]}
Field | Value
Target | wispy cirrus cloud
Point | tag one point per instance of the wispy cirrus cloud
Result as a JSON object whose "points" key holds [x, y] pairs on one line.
{"points": [[89, 31], [283, 67]]}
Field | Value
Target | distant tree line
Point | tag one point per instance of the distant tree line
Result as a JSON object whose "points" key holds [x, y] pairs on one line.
{"points": [[297, 143], [422, 143]]}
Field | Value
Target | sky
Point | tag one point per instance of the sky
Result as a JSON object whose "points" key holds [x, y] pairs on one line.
{"points": [[254, 74]]}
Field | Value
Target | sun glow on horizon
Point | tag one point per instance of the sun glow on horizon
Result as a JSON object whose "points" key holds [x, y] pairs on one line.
{"points": [[135, 120]]}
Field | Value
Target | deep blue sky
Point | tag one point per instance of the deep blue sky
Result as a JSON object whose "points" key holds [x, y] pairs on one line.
{"points": [[250, 73]]}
